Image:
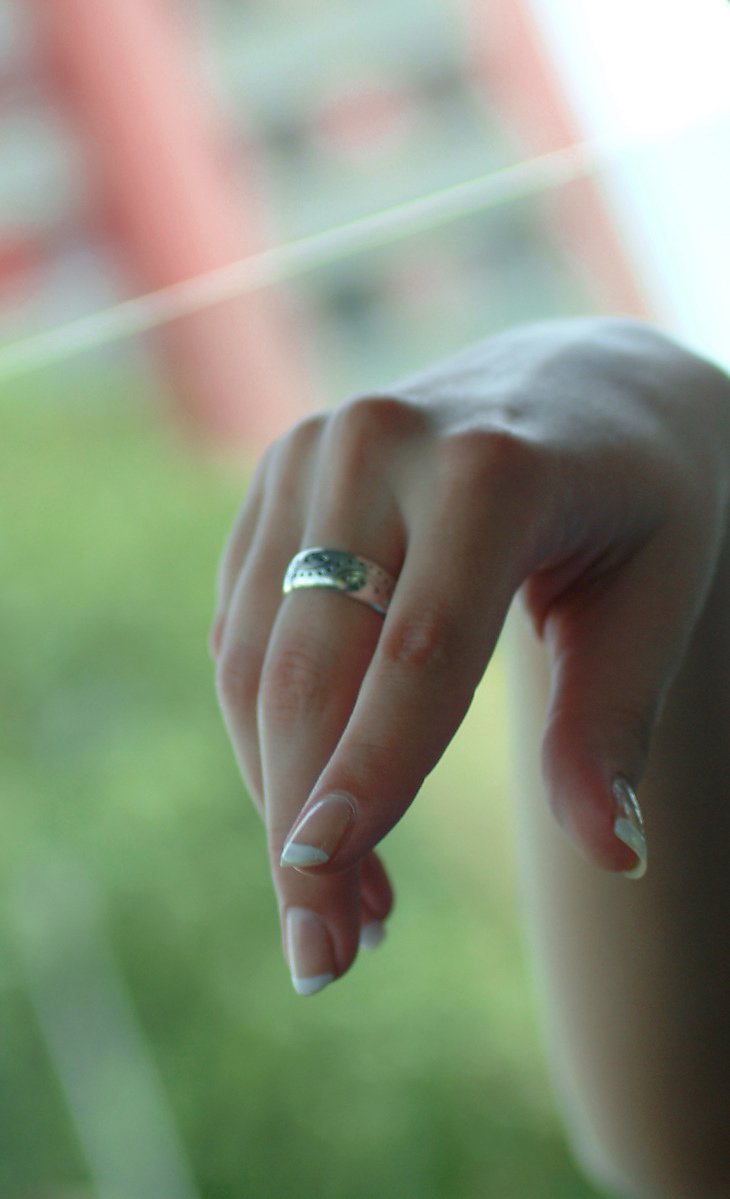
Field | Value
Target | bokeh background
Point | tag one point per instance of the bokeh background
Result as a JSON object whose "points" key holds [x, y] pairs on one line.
{"points": [[151, 1046]]}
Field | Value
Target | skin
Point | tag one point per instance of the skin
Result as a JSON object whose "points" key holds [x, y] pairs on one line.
{"points": [[574, 474]]}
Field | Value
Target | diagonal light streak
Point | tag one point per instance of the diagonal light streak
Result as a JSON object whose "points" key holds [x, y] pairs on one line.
{"points": [[295, 258], [114, 1093]]}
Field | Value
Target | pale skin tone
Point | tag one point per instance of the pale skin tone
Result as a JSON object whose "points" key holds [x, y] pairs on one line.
{"points": [[576, 472]]}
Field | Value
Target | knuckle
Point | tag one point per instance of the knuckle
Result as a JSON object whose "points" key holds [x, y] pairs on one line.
{"points": [[296, 445], [293, 683], [368, 759], [307, 432], [236, 677], [482, 460], [289, 461], [263, 465], [427, 641], [371, 421]]}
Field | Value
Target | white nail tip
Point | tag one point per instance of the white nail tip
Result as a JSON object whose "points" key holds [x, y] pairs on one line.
{"points": [[302, 855], [629, 825], [630, 835], [309, 986], [372, 934]]}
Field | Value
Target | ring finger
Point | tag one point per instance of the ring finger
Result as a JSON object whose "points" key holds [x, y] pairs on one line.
{"points": [[319, 650]]}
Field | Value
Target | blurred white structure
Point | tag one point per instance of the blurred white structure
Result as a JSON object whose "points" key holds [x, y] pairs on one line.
{"points": [[633, 69], [115, 1095]]}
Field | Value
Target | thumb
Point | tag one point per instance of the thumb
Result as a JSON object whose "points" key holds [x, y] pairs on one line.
{"points": [[616, 643]]}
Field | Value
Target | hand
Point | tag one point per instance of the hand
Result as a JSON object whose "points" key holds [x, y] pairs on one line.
{"points": [[580, 464]]}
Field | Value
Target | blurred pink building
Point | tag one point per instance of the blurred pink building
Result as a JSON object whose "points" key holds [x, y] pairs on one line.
{"points": [[159, 158]]}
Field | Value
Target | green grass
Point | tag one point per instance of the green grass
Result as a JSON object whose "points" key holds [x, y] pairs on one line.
{"points": [[421, 1073]]}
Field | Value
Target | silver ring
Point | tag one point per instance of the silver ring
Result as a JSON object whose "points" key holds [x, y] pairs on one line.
{"points": [[356, 576]]}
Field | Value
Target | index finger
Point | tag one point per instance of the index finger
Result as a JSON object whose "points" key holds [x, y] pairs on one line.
{"points": [[462, 567]]}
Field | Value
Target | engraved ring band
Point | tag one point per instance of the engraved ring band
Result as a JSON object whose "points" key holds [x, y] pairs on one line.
{"points": [[352, 574]]}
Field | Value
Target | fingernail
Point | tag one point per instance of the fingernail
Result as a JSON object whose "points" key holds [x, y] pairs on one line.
{"points": [[317, 834], [372, 934], [310, 951], [629, 825]]}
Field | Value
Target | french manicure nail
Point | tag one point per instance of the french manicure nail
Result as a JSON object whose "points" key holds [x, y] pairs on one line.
{"points": [[310, 952], [316, 835], [629, 825], [372, 934]]}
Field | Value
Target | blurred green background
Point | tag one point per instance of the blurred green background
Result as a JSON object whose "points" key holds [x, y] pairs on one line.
{"points": [[152, 1046], [148, 1022]]}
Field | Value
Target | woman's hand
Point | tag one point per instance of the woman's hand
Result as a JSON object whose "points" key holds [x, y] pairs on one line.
{"points": [[582, 463]]}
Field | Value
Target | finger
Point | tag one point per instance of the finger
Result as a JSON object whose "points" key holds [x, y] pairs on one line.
{"points": [[376, 901], [316, 658], [284, 474], [375, 887], [463, 564], [372, 930], [317, 949], [318, 653], [253, 607], [616, 648], [248, 625], [311, 963], [234, 552], [260, 560]]}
